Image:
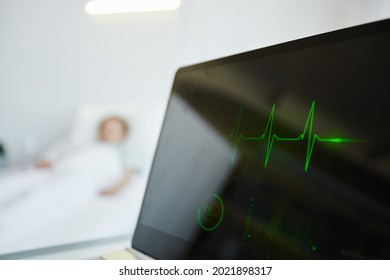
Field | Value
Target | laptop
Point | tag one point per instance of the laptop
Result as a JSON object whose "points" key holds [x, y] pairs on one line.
{"points": [[277, 153]]}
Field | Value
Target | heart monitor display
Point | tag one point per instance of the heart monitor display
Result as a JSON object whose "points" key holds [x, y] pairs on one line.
{"points": [[278, 153]]}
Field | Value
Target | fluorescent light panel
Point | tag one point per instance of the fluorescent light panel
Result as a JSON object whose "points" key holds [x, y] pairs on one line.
{"points": [[100, 7]]}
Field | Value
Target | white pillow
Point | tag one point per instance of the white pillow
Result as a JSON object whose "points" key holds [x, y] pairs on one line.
{"points": [[144, 126]]}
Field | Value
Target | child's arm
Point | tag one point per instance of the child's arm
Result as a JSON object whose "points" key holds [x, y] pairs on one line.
{"points": [[119, 185]]}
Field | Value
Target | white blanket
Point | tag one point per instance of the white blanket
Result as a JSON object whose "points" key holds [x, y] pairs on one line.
{"points": [[40, 207]]}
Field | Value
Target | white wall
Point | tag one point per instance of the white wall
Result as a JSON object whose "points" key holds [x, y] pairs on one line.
{"points": [[54, 57], [215, 28]]}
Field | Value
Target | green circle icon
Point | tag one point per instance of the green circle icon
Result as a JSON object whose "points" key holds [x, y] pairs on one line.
{"points": [[210, 212]]}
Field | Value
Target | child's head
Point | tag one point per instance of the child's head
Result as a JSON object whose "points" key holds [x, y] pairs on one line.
{"points": [[113, 130]]}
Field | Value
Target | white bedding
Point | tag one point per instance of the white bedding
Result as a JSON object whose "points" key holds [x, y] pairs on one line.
{"points": [[40, 208]]}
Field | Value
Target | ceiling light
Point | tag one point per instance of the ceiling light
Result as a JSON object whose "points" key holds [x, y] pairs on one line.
{"points": [[99, 7]]}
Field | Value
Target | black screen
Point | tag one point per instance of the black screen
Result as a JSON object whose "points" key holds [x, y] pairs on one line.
{"points": [[278, 153]]}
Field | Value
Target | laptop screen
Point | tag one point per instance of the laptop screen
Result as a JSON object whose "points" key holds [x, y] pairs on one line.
{"points": [[277, 153]]}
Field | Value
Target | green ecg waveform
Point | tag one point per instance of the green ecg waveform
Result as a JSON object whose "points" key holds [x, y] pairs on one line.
{"points": [[271, 137]]}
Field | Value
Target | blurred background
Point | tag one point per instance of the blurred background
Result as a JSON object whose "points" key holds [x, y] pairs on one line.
{"points": [[62, 71]]}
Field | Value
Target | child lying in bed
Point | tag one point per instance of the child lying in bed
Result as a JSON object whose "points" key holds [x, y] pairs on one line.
{"points": [[112, 131], [80, 170]]}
